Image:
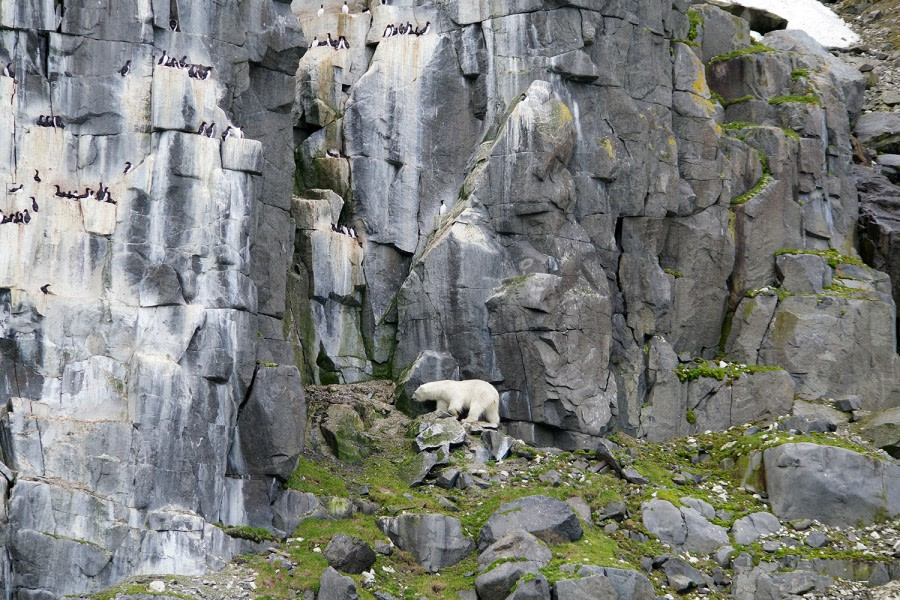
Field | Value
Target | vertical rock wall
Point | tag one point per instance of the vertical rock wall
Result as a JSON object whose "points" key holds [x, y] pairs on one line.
{"points": [[139, 400], [617, 180]]}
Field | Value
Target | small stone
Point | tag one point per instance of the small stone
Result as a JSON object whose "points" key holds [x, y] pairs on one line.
{"points": [[383, 548], [848, 403], [465, 481], [771, 546], [866, 67], [157, 586], [752, 430], [552, 477], [631, 475], [801, 525], [891, 98], [723, 555], [610, 528]]}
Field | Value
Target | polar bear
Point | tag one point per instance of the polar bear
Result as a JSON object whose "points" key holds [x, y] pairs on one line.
{"points": [[477, 397]]}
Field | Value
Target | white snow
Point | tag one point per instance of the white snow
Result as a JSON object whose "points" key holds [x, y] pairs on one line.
{"points": [[819, 21]]}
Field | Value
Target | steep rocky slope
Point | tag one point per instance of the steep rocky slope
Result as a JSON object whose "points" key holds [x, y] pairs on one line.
{"points": [[624, 214]]}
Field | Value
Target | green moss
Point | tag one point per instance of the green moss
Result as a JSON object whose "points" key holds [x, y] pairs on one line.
{"points": [[806, 99], [254, 534], [316, 478], [696, 21], [674, 273], [713, 370], [690, 417], [270, 365], [797, 74], [832, 255], [751, 49], [747, 98], [761, 184]]}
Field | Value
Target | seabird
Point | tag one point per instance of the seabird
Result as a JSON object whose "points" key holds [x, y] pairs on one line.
{"points": [[344, 230], [192, 71], [45, 288], [427, 28], [127, 167], [211, 130], [237, 132], [352, 233], [409, 28], [342, 43], [345, 9], [401, 30], [443, 209], [8, 71], [334, 228], [365, 11], [321, 10], [388, 30], [332, 153], [42, 121], [329, 41], [34, 204], [315, 42], [173, 25], [88, 193], [17, 190], [37, 177], [59, 192], [26, 217], [162, 58], [183, 62], [57, 122], [226, 132], [124, 70], [202, 128]]}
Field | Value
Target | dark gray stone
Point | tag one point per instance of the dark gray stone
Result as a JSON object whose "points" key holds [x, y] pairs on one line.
{"points": [[349, 554], [516, 545], [435, 541], [334, 586], [549, 519], [750, 528]]}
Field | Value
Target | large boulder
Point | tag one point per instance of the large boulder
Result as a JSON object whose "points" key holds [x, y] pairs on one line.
{"points": [[747, 530], [832, 485], [435, 541], [880, 131], [515, 545], [683, 528], [349, 554], [883, 429], [586, 588], [629, 585], [334, 586], [551, 520]]}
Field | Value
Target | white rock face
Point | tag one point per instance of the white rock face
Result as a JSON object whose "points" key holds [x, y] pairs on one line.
{"points": [[129, 328]]}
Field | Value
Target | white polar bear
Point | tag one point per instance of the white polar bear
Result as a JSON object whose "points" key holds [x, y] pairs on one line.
{"points": [[477, 397]]}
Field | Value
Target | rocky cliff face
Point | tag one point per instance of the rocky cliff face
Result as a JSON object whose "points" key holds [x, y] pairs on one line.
{"points": [[582, 202], [629, 188], [132, 393]]}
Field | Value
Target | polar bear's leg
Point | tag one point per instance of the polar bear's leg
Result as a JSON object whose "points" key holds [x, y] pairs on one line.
{"points": [[441, 405], [492, 413], [457, 406]]}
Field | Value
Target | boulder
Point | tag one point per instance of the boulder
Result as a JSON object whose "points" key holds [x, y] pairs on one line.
{"points": [[345, 433], [803, 273], [629, 585], [349, 554], [586, 588], [883, 429], [420, 467], [334, 586], [498, 582], [879, 131], [435, 541], [748, 529], [832, 485], [496, 443], [549, 519], [516, 545], [535, 589], [439, 432], [684, 528]]}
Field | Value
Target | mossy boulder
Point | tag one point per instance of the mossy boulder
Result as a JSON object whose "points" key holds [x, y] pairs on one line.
{"points": [[344, 431]]}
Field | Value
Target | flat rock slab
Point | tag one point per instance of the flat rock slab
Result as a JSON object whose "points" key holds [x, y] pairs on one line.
{"points": [[549, 519], [833, 485], [435, 541], [439, 432], [518, 544]]}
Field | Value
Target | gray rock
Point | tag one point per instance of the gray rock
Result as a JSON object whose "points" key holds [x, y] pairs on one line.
{"points": [[832, 485], [683, 528], [497, 444], [681, 575], [349, 554], [498, 582], [447, 478], [883, 429], [587, 588], [437, 433], [334, 586], [435, 541], [880, 131], [817, 539], [345, 432], [629, 585], [517, 544], [803, 273], [551, 520], [535, 589], [750, 528], [848, 403], [614, 510], [415, 472], [291, 508]]}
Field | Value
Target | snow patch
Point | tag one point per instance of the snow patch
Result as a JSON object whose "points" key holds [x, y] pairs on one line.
{"points": [[819, 21]]}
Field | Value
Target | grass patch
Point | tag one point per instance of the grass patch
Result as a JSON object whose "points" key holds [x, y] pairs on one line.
{"points": [[712, 369], [315, 478], [674, 273], [751, 49], [761, 184], [832, 255], [798, 74], [696, 21], [727, 103], [805, 99], [254, 534]]}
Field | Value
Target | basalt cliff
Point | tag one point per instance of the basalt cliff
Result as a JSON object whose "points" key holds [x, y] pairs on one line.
{"points": [[628, 215]]}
